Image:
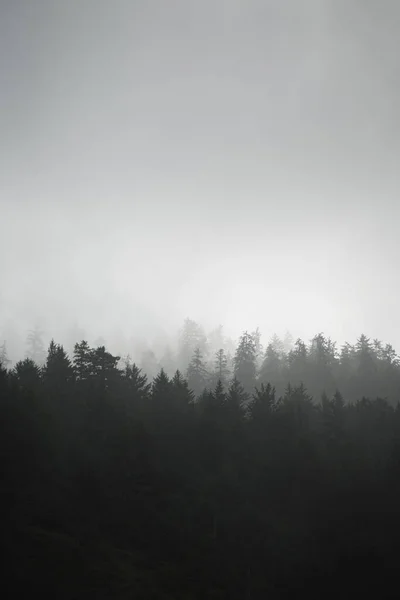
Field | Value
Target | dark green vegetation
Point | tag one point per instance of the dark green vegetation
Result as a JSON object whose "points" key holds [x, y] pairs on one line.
{"points": [[117, 487]]}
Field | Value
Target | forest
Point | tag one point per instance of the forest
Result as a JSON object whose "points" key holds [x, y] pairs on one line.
{"points": [[213, 470]]}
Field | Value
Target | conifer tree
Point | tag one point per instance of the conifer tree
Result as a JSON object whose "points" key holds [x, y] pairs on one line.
{"points": [[82, 361], [236, 399], [263, 403], [245, 366], [191, 337], [222, 371], [161, 389], [57, 371], [181, 391], [28, 374], [104, 367], [36, 350], [136, 381], [197, 372], [4, 360]]}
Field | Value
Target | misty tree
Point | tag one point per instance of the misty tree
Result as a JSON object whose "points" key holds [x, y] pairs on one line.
{"points": [[346, 357], [181, 392], [366, 367], [299, 406], [221, 371], [333, 416], [212, 405], [322, 361], [287, 342], [57, 371], [28, 375], [36, 350], [298, 363], [4, 360], [161, 391], [104, 367], [364, 355], [236, 399], [256, 335], [82, 360], [263, 403], [197, 374], [136, 382], [278, 345], [245, 362], [271, 370], [192, 336]]}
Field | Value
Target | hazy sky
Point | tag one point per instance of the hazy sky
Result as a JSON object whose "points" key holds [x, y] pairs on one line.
{"points": [[232, 161]]}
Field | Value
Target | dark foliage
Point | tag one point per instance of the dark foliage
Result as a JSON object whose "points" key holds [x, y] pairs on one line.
{"points": [[117, 487]]}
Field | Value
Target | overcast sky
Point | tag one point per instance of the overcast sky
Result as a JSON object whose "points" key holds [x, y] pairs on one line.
{"points": [[232, 161]]}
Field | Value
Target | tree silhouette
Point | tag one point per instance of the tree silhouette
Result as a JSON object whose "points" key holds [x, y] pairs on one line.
{"points": [[222, 371], [245, 366], [197, 372]]}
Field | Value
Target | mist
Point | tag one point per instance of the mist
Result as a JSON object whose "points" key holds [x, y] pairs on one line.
{"points": [[234, 162]]}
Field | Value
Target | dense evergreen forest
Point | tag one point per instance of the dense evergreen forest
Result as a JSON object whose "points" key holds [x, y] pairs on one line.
{"points": [[213, 471]]}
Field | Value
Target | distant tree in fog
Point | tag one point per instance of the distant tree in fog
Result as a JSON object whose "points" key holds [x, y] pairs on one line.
{"points": [[35, 346], [4, 360], [197, 374], [245, 362], [256, 335], [221, 371], [192, 336]]}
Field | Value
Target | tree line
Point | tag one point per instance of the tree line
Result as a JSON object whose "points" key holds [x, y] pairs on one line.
{"points": [[262, 474]]}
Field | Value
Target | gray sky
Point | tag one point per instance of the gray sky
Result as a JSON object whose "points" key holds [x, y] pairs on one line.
{"points": [[235, 161]]}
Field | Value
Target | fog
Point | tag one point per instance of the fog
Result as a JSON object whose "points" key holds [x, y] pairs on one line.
{"points": [[231, 161]]}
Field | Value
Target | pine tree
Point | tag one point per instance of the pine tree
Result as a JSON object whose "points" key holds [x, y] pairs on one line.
{"points": [[4, 360], [36, 350], [222, 371], [263, 403], [299, 405], [298, 363], [287, 343], [322, 361], [212, 405], [136, 382], [279, 346], [366, 368], [191, 337], [271, 368], [197, 373], [58, 371], [182, 394], [28, 375], [236, 399], [245, 366], [82, 361], [104, 367], [256, 335], [161, 389]]}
